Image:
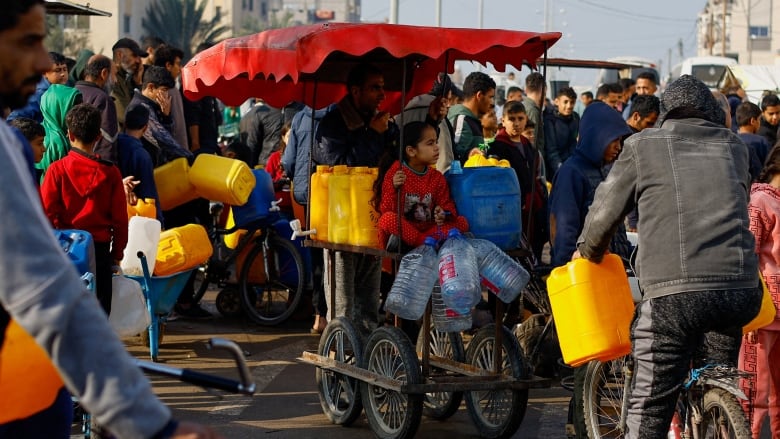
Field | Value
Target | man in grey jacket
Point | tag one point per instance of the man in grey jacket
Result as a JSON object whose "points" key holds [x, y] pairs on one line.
{"points": [[41, 291], [697, 263]]}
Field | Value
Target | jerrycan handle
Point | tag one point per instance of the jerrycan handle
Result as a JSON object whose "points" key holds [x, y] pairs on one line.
{"points": [[296, 227]]}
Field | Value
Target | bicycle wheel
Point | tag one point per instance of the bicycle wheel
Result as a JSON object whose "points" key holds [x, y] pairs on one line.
{"points": [[339, 395], [723, 417], [449, 345], [497, 413], [271, 297], [391, 414], [201, 283], [603, 398]]}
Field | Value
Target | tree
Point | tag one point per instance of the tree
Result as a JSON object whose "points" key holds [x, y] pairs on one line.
{"points": [[65, 42], [252, 25], [180, 23]]}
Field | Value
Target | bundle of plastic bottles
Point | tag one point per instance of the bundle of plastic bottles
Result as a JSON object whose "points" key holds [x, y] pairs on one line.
{"points": [[462, 268]]}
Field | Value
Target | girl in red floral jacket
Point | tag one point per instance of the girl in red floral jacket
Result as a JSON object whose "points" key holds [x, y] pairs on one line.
{"points": [[428, 209]]}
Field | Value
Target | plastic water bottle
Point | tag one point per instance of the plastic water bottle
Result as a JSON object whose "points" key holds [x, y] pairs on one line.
{"points": [[458, 274], [498, 273], [414, 282], [445, 319]]}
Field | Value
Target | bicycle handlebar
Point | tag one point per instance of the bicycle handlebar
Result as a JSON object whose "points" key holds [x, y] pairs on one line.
{"points": [[245, 386]]}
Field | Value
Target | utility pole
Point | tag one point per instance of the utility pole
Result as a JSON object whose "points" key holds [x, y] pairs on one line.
{"points": [[393, 11], [723, 30], [711, 32], [669, 61], [481, 5], [438, 13]]}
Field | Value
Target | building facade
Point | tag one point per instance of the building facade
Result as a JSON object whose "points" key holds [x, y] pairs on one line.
{"points": [[241, 16], [740, 28]]}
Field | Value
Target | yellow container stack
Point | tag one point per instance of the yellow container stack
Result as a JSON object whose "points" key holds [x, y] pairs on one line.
{"points": [[363, 229], [173, 183], [222, 179], [182, 248], [767, 313], [592, 308], [319, 202], [339, 205]]}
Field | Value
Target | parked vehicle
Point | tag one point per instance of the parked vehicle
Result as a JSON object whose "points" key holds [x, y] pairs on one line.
{"points": [[708, 69]]}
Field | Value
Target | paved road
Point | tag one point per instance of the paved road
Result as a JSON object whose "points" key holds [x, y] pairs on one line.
{"points": [[286, 403]]}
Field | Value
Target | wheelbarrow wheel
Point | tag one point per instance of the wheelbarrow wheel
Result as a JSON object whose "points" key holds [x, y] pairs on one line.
{"points": [[272, 297], [339, 394], [391, 414], [229, 302], [449, 345], [496, 413]]}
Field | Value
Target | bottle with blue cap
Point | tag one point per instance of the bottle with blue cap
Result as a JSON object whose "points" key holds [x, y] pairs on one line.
{"points": [[458, 274], [414, 282]]}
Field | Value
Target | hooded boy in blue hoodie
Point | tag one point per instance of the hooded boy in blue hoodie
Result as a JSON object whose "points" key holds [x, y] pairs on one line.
{"points": [[602, 130]]}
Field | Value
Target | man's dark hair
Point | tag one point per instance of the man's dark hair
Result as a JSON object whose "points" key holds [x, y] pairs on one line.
{"points": [[29, 128], [13, 9], [770, 100], [158, 76], [747, 111], [645, 105], [167, 54], [530, 124], [626, 83], [534, 82], [568, 92], [360, 74], [96, 65], [136, 117], [83, 121], [514, 107], [588, 94], [151, 41], [513, 89], [648, 75], [57, 58], [606, 89], [477, 82]]}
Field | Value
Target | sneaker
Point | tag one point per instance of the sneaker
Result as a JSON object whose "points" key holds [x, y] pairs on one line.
{"points": [[192, 312]]}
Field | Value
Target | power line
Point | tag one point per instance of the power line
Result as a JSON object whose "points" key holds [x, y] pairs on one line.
{"points": [[633, 15]]}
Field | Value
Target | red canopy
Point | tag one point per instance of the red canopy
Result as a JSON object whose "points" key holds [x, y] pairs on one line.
{"points": [[282, 65]]}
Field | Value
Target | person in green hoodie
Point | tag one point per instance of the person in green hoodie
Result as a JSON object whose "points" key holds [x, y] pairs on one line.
{"points": [[479, 92], [55, 104]]}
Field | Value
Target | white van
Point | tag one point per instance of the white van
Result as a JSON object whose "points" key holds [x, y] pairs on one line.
{"points": [[708, 69], [637, 66]]}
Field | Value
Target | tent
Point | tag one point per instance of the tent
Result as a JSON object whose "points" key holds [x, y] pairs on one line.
{"points": [[754, 79], [63, 7]]}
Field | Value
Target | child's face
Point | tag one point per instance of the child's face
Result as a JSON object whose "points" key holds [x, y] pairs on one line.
{"points": [[565, 105], [38, 148], [772, 114], [612, 151], [426, 152], [514, 123], [58, 74]]}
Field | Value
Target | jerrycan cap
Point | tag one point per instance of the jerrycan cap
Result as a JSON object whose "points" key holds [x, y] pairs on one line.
{"points": [[455, 167], [430, 241], [453, 233], [323, 168]]}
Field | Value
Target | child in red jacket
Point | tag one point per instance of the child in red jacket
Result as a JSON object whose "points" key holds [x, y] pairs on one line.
{"points": [[82, 191], [428, 209]]}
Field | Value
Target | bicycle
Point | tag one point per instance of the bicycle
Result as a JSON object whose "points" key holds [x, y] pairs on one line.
{"points": [[708, 406], [270, 270]]}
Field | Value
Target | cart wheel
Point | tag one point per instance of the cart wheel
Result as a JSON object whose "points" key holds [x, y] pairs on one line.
{"points": [[339, 395], [496, 413], [391, 414], [442, 405], [270, 299], [229, 302]]}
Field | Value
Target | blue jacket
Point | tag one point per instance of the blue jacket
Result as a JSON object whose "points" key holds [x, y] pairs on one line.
{"points": [[576, 181], [135, 160], [295, 159], [33, 108]]}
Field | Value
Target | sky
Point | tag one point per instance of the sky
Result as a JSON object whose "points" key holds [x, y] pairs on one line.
{"points": [[592, 29]]}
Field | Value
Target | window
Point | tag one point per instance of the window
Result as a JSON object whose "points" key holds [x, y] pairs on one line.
{"points": [[126, 24], [251, 5], [80, 22], [759, 31]]}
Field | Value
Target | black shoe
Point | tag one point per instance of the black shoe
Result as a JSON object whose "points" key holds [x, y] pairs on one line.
{"points": [[192, 312]]}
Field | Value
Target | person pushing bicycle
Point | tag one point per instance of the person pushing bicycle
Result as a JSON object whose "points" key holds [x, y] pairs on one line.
{"points": [[697, 264]]}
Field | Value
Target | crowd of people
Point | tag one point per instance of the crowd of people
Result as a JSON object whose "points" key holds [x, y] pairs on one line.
{"points": [[88, 133]]}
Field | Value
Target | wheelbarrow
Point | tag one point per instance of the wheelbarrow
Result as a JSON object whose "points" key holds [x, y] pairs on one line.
{"points": [[161, 293]]}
